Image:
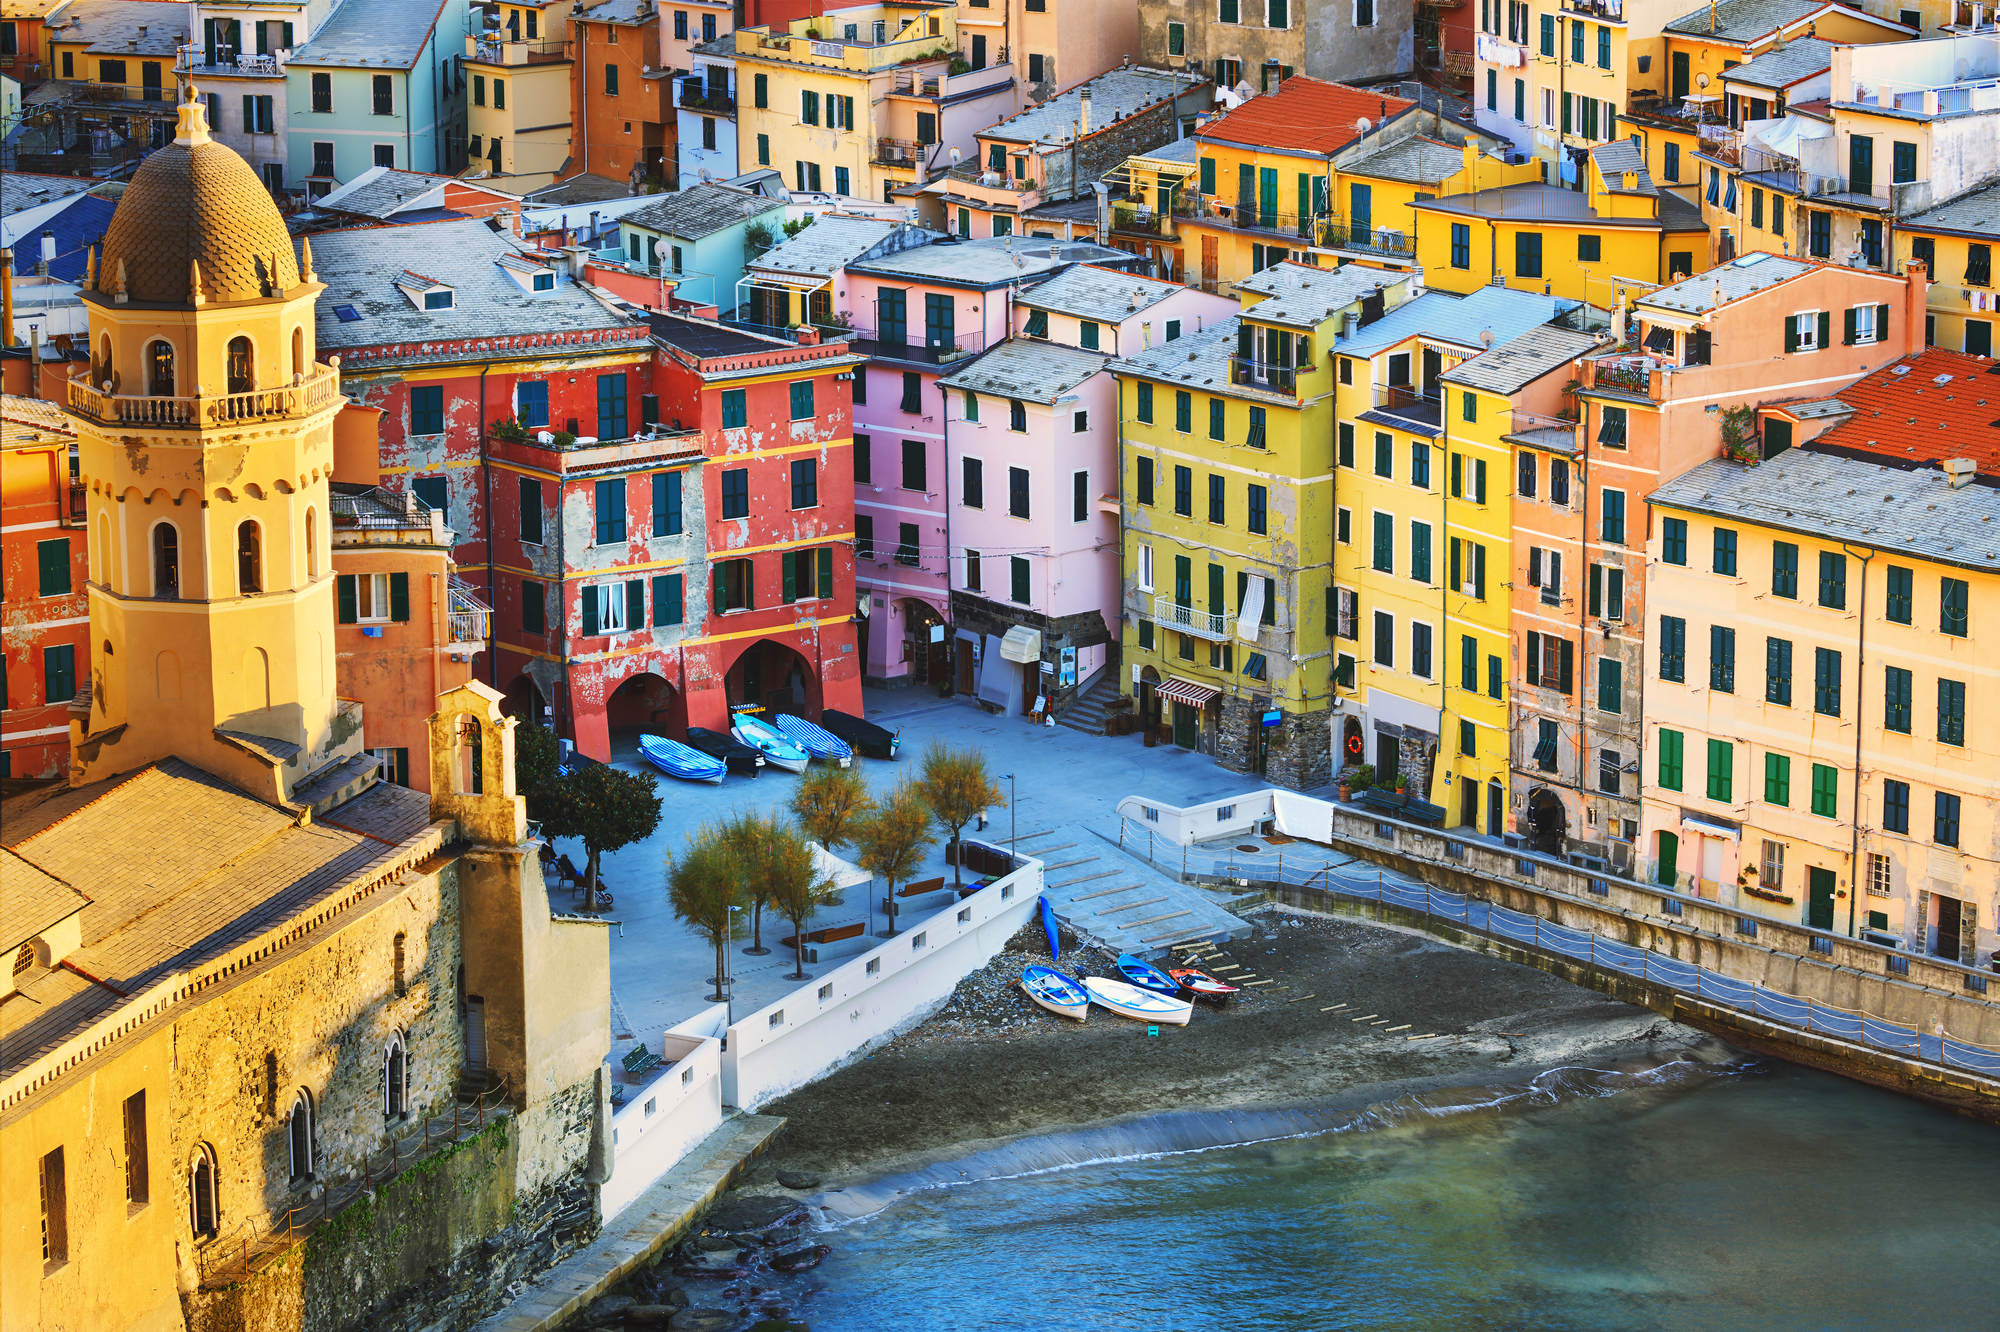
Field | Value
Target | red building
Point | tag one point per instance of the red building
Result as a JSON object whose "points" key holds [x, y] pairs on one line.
{"points": [[621, 108], [44, 568]]}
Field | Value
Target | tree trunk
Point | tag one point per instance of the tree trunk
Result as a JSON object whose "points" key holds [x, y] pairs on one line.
{"points": [[590, 881], [957, 857]]}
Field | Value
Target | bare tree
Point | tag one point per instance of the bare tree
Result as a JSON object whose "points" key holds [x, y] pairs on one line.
{"points": [[794, 883], [893, 839], [703, 883], [956, 787], [829, 801]]}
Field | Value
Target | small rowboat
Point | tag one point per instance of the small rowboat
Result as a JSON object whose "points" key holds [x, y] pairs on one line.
{"points": [[777, 749], [1147, 976], [821, 744], [1056, 992], [1202, 985], [739, 756], [677, 760], [1132, 1002], [867, 738]]}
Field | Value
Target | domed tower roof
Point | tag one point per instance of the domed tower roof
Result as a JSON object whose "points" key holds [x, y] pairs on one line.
{"points": [[196, 202]]}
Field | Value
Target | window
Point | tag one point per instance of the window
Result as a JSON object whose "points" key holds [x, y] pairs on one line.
{"points": [[1184, 491], [1819, 240], [1778, 671], [1784, 570], [1978, 265], [1610, 685], [1559, 482], [763, 140], [534, 607], [1385, 639], [1673, 648], [1385, 454], [913, 390], [322, 98], [1017, 492], [1468, 407], [1674, 541], [761, 91], [1725, 550], [802, 400], [927, 127], [611, 81], [1461, 245], [52, 564], [1546, 738], [384, 96], [1420, 464], [1611, 428], [1420, 650], [1612, 526], [1217, 499], [249, 559], [1145, 568], [1017, 416], [916, 471], [1777, 780], [1945, 820], [373, 598], [1176, 39], [972, 571], [1255, 438], [1953, 595], [735, 409], [736, 492], [1896, 699], [1420, 551], [1721, 771], [427, 409], [1080, 497], [298, 1127], [1832, 580], [972, 488], [735, 586], [806, 574], [138, 1174], [59, 673], [322, 159], [55, 1211], [1527, 254], [1825, 791], [1826, 682], [611, 406], [1468, 666], [1550, 662], [864, 537], [1722, 659], [1896, 807], [1809, 331], [1346, 446], [1257, 518], [1670, 745], [1951, 712], [1145, 481], [1217, 419], [1018, 590], [1902, 594], [805, 484], [1384, 556]]}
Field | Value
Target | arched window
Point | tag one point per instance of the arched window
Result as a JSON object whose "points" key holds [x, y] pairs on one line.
{"points": [[160, 369], [249, 560], [203, 1216], [299, 1137], [241, 378], [395, 1079], [312, 544], [166, 561], [298, 353], [26, 957], [103, 374]]}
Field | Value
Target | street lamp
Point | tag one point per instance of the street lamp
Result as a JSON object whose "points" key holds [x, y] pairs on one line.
{"points": [[1013, 817]]}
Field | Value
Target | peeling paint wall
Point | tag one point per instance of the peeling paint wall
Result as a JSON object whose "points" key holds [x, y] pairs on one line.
{"points": [[34, 495]]}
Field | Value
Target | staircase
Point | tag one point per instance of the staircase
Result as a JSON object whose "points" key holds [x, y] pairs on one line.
{"points": [[1087, 713], [475, 1083]]}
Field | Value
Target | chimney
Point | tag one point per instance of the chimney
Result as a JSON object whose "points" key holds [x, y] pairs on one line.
{"points": [[1916, 299], [1083, 114], [1958, 472], [48, 250], [1055, 251]]}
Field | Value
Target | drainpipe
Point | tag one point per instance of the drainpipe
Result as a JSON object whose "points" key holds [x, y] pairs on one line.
{"points": [[1861, 675], [944, 489], [486, 487]]}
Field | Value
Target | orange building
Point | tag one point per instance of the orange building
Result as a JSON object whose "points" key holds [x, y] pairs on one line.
{"points": [[46, 570], [620, 95]]}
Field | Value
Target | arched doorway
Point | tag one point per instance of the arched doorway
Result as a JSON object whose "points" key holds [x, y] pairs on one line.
{"points": [[643, 705], [775, 677], [1146, 702], [1353, 747], [926, 642], [526, 701], [1548, 822]]}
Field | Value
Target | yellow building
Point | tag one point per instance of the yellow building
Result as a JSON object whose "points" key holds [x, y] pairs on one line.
{"points": [[1621, 233], [1422, 529], [1159, 192], [1956, 242], [1227, 502], [1702, 46], [1818, 750], [517, 96]]}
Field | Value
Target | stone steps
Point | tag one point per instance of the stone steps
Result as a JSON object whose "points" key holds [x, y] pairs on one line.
{"points": [[1132, 907], [1088, 712]]}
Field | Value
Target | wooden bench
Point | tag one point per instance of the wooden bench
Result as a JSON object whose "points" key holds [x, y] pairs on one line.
{"points": [[920, 888], [831, 934], [639, 1061], [1413, 808]]}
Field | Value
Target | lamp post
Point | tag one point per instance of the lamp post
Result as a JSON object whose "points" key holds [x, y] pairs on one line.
{"points": [[727, 986], [1013, 817]]}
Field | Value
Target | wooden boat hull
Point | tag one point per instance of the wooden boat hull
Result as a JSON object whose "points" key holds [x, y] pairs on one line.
{"points": [[678, 760], [1056, 992], [1139, 1005], [1202, 985], [778, 751], [1146, 976]]}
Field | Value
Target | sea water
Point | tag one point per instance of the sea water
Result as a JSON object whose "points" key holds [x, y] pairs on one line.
{"points": [[1684, 1197]]}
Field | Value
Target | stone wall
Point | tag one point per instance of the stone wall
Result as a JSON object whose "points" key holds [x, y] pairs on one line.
{"points": [[1299, 750], [978, 615]]}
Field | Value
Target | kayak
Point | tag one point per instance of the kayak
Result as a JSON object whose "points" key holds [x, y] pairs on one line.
{"points": [[778, 750], [1049, 928], [678, 760], [1058, 993], [1132, 1002]]}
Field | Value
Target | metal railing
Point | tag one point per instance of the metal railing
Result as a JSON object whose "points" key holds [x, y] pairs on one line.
{"points": [[912, 84], [920, 348], [1360, 881], [900, 152], [1409, 403], [318, 390], [1202, 624], [1633, 376], [224, 1261], [1145, 221], [693, 95], [469, 619], [1338, 233], [1262, 374], [973, 174], [493, 51]]}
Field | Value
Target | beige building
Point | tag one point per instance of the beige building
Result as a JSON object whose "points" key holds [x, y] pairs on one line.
{"points": [[1248, 45]]}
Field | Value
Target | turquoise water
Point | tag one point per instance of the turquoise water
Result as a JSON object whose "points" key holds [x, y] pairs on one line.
{"points": [[1684, 1198]]}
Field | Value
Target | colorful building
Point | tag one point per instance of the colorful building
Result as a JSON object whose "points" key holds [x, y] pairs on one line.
{"points": [[1249, 45], [1034, 566], [373, 86], [113, 63], [1227, 493], [517, 71], [46, 639], [1955, 244], [1847, 786], [698, 238], [243, 52], [1052, 48], [705, 114], [622, 121]]}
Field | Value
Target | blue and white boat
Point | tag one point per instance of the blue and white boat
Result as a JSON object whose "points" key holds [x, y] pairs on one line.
{"points": [[1147, 976], [778, 749], [678, 760], [820, 743], [1058, 993]]}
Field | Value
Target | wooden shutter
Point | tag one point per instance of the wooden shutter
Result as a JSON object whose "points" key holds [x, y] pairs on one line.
{"points": [[1565, 672], [1534, 659], [635, 604], [667, 599], [1881, 323], [350, 612], [399, 596], [1597, 589], [1825, 327], [1478, 571], [1457, 579], [1791, 333], [590, 609], [825, 560], [788, 577], [1850, 326], [1534, 565], [1215, 602]]}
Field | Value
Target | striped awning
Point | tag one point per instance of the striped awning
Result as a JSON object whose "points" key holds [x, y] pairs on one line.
{"points": [[1191, 692]]}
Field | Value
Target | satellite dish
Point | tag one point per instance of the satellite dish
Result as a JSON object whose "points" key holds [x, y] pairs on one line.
{"points": [[1363, 125], [954, 155], [1701, 82], [1486, 336]]}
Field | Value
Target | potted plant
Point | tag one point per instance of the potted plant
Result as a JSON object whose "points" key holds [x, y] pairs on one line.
{"points": [[510, 429], [1739, 441], [960, 65], [813, 33], [1364, 777], [1402, 789]]}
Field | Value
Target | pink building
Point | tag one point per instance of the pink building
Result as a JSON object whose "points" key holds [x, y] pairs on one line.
{"points": [[1032, 434]]}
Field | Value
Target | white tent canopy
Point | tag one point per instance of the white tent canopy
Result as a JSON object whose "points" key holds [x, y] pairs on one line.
{"points": [[843, 874]]}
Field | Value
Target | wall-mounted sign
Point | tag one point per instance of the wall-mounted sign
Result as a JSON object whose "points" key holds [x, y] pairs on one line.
{"points": [[1273, 717]]}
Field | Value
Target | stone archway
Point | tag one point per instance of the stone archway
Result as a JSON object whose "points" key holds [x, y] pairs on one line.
{"points": [[524, 699], [929, 653], [1548, 821], [774, 676], [645, 704]]}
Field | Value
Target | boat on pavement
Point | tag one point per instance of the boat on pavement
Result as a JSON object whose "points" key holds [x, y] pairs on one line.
{"points": [[678, 760], [1202, 985], [1147, 976], [815, 740], [741, 758], [1058, 993], [868, 739], [778, 749], [1141, 1005]]}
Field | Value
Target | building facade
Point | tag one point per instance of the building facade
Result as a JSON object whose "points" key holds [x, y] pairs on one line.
{"points": [[518, 73], [623, 121], [374, 85], [47, 571], [1250, 44]]}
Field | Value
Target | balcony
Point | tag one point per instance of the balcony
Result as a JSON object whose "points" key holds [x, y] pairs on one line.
{"points": [[1200, 624], [77, 514], [1260, 374], [1604, 9], [319, 390], [1338, 233], [1244, 214], [123, 94], [1625, 374], [1553, 434], [227, 65], [970, 173], [1458, 63], [695, 95], [906, 153], [492, 51], [1423, 412], [468, 620], [940, 349], [790, 332], [1140, 221]]}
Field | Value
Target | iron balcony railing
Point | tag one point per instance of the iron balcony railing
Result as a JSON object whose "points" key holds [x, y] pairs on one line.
{"points": [[919, 347], [1406, 402], [973, 174], [900, 152], [1217, 628], [470, 620], [1631, 374], [1261, 374], [695, 95], [1340, 233]]}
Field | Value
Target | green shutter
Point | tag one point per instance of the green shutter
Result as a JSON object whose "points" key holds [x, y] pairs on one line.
{"points": [[667, 600], [1610, 686], [399, 596], [1215, 602], [635, 604], [1670, 760], [1881, 323], [1825, 327], [52, 557], [1791, 333], [790, 580], [826, 572], [590, 612], [1850, 326], [349, 606]]}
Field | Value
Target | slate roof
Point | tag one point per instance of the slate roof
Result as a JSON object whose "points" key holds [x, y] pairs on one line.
{"points": [[1304, 296], [1180, 150], [583, 189], [1924, 409], [372, 34], [77, 227], [1090, 292], [1975, 214], [1743, 276], [827, 246], [1415, 161], [27, 190], [1030, 369], [700, 211], [1513, 364], [182, 868], [1457, 319], [110, 26], [617, 11], [1840, 497], [1741, 21], [990, 260], [1200, 359], [1121, 92], [1305, 114], [31, 900], [362, 267], [1802, 58], [1616, 158], [381, 192], [1536, 202]]}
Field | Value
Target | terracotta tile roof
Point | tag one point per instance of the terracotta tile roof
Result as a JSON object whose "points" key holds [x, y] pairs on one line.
{"points": [[1307, 114], [1924, 409]]}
